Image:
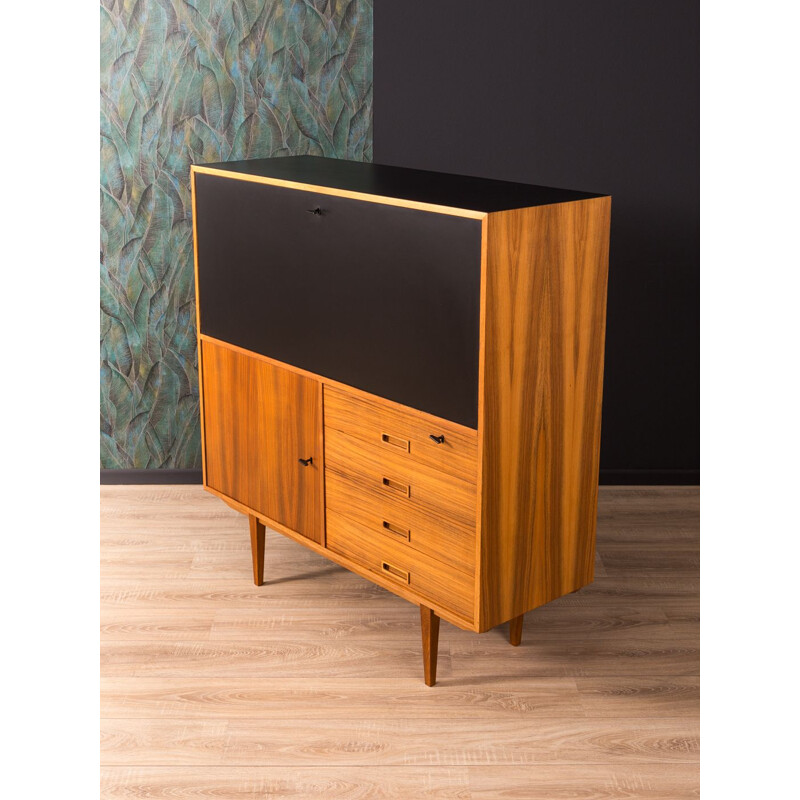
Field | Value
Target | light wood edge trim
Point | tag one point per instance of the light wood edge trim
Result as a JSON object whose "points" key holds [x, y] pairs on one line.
{"points": [[321, 444], [371, 198], [343, 561], [599, 410], [337, 385], [476, 613], [197, 320]]}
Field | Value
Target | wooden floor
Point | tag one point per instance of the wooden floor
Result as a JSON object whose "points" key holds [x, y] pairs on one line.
{"points": [[311, 685]]}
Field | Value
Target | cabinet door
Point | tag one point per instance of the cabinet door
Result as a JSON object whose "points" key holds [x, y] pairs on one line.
{"points": [[382, 298], [259, 422]]}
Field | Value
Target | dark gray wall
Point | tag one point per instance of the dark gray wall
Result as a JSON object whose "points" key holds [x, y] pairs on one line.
{"points": [[587, 94]]}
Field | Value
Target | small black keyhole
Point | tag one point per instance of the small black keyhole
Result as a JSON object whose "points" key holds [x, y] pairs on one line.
{"points": [[315, 211], [438, 439], [306, 461]]}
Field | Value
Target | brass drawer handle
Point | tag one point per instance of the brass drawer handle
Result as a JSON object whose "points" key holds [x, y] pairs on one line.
{"points": [[396, 486], [404, 533], [396, 441], [396, 572]]}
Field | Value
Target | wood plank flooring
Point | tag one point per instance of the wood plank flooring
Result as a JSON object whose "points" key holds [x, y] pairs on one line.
{"points": [[311, 685]]}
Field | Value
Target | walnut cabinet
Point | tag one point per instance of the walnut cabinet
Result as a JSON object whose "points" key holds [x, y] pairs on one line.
{"points": [[402, 370]]}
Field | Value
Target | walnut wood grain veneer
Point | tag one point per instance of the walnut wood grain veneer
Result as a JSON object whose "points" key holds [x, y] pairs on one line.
{"points": [[403, 371], [260, 421]]}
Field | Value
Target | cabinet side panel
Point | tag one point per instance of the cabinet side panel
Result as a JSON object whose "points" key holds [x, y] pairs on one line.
{"points": [[547, 271], [198, 351]]}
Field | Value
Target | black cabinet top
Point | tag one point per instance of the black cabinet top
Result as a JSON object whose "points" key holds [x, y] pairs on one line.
{"points": [[415, 185]]}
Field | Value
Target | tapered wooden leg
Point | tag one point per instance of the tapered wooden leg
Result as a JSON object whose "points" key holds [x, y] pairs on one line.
{"points": [[430, 643], [515, 630], [257, 531]]}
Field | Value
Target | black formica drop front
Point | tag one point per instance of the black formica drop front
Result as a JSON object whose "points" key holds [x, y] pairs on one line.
{"points": [[376, 296]]}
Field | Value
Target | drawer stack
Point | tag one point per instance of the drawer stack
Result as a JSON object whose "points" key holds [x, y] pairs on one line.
{"points": [[401, 492]]}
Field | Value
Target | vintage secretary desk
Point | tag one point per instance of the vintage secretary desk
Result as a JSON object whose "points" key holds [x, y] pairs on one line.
{"points": [[402, 370]]}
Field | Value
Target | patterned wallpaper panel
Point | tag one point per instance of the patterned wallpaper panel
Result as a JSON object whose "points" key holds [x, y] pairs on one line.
{"points": [[191, 81]]}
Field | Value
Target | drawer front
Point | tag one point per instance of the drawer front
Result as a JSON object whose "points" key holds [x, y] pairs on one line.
{"points": [[399, 521], [389, 475], [432, 580], [371, 295], [411, 437]]}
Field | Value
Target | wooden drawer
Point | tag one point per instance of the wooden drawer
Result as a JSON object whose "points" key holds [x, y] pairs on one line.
{"points": [[390, 475], [433, 581], [401, 522], [404, 434]]}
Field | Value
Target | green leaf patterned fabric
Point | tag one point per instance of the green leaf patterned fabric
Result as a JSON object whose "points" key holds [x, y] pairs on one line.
{"points": [[192, 81]]}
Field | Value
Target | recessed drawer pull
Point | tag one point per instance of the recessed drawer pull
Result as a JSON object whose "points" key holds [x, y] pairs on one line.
{"points": [[396, 486], [396, 572], [404, 533], [396, 441]]}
